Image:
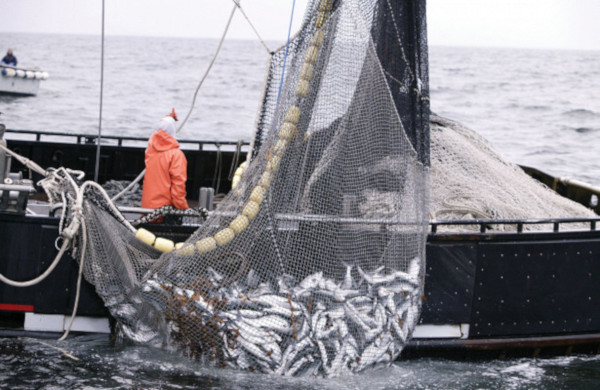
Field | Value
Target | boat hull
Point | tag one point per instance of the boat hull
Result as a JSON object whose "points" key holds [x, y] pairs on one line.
{"points": [[19, 86], [484, 292]]}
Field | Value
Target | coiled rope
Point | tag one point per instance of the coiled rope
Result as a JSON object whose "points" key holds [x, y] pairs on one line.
{"points": [[76, 226]]}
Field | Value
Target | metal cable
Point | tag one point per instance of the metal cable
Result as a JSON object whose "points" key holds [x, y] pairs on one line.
{"points": [[209, 67], [253, 28], [236, 159], [98, 141], [287, 46]]}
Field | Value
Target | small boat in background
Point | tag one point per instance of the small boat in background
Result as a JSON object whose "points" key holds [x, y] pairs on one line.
{"points": [[20, 81]]}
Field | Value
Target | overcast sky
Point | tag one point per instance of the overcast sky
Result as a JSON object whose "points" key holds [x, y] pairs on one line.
{"points": [[571, 24]]}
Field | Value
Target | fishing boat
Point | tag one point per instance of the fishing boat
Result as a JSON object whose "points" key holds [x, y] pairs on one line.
{"points": [[491, 285], [20, 81], [475, 281]]}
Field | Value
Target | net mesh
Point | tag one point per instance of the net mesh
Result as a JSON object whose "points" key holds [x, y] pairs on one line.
{"points": [[313, 264], [472, 181]]}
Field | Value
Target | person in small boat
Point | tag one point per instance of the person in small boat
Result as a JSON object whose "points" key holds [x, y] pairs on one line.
{"points": [[166, 168], [9, 59]]}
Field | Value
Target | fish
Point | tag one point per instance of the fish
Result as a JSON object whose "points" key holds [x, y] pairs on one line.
{"points": [[253, 350], [269, 300], [252, 279], [252, 334], [278, 310], [319, 326], [272, 322], [348, 280], [323, 352], [356, 318], [297, 366], [311, 281], [372, 354], [369, 278]]}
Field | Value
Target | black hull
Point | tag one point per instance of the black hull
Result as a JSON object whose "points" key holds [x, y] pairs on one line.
{"points": [[516, 292], [485, 292]]}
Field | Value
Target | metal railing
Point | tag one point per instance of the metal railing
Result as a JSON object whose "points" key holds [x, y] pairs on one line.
{"points": [[90, 139], [486, 224]]}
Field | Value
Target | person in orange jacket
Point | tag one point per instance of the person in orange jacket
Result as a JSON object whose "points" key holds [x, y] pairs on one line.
{"points": [[166, 168]]}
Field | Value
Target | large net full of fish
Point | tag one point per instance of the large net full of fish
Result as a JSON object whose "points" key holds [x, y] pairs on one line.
{"points": [[313, 263]]}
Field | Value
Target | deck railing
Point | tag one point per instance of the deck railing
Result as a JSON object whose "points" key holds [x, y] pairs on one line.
{"points": [[88, 139], [485, 225]]}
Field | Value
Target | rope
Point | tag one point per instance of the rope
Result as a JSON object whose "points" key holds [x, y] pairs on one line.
{"points": [[237, 5], [110, 204], [43, 276], [126, 189], [25, 161], [65, 353], [236, 159], [287, 46], [79, 277], [218, 167], [251, 25], [209, 65], [170, 210]]}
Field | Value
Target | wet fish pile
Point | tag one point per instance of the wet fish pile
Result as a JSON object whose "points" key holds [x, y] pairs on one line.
{"points": [[131, 198], [318, 327]]}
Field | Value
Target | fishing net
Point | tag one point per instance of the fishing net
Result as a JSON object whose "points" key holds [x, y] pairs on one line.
{"points": [[313, 263], [472, 181]]}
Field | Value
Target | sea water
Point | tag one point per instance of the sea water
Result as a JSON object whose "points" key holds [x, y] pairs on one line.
{"points": [[538, 108]]}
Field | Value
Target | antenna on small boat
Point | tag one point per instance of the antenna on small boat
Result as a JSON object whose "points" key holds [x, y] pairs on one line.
{"points": [[99, 139]]}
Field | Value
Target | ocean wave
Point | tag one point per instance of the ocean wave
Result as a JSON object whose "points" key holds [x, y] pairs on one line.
{"points": [[581, 113], [587, 129]]}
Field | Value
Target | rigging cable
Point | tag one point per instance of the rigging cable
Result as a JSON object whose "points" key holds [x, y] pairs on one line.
{"points": [[142, 173], [287, 46], [235, 6], [253, 28], [97, 167]]}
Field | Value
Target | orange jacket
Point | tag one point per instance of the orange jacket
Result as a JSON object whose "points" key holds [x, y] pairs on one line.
{"points": [[166, 173]]}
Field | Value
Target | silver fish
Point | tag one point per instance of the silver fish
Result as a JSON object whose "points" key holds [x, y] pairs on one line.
{"points": [[297, 366], [311, 281], [272, 322], [323, 352], [278, 310], [252, 279], [372, 354], [348, 280], [252, 334], [253, 349], [269, 300], [369, 278]]}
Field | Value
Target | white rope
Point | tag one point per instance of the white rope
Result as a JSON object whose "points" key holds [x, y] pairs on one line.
{"points": [[253, 28], [53, 347], [113, 208], [43, 276], [209, 66], [25, 161], [70, 231], [79, 277]]}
